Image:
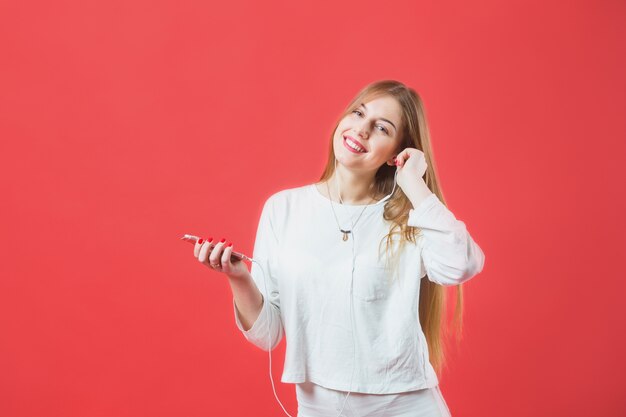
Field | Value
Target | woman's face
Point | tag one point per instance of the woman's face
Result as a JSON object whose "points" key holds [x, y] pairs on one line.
{"points": [[373, 126]]}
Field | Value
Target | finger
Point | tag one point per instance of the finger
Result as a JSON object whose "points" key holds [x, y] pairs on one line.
{"points": [[406, 154], [198, 245], [226, 264], [205, 248], [216, 254], [401, 158]]}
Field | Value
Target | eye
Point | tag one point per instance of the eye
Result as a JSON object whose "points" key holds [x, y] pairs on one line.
{"points": [[381, 126]]}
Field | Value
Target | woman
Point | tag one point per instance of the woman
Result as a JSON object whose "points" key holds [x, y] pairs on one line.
{"points": [[341, 263]]}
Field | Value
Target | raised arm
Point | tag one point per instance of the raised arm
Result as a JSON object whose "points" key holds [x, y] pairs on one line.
{"points": [[449, 254]]}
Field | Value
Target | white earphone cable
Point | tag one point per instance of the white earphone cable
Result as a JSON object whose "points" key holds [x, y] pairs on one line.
{"points": [[269, 325]]}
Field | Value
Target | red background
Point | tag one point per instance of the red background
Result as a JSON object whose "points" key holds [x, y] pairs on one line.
{"points": [[126, 124]]}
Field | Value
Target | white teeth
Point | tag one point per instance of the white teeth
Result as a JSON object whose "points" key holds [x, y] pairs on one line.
{"points": [[354, 145]]}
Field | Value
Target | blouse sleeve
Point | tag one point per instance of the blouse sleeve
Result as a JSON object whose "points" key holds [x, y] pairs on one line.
{"points": [[269, 321], [448, 253]]}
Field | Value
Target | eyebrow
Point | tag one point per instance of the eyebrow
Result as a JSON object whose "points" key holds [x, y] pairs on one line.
{"points": [[385, 120]]}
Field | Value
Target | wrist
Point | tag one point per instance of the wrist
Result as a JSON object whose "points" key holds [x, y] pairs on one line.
{"points": [[237, 277], [418, 192]]}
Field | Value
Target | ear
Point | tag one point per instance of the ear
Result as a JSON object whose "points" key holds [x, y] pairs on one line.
{"points": [[392, 161]]}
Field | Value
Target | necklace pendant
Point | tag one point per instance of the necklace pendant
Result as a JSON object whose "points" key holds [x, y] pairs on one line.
{"points": [[345, 234]]}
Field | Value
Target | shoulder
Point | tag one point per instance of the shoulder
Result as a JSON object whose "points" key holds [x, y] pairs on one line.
{"points": [[287, 198], [282, 205]]}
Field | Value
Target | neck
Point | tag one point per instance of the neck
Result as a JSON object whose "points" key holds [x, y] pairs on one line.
{"points": [[356, 188]]}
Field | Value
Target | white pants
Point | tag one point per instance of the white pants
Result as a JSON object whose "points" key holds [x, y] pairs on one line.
{"points": [[317, 401]]}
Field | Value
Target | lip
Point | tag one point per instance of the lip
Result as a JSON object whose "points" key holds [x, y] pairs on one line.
{"points": [[355, 141]]}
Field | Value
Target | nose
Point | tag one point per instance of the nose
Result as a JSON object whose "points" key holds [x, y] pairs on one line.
{"points": [[362, 130]]}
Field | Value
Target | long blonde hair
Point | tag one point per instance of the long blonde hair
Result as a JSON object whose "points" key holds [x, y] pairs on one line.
{"points": [[414, 133]]}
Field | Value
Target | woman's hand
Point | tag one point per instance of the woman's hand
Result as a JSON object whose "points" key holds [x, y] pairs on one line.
{"points": [[411, 165], [218, 259]]}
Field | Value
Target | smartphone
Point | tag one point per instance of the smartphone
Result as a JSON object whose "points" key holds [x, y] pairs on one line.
{"points": [[234, 256]]}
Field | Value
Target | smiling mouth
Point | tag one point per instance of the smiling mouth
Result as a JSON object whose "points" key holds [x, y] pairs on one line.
{"points": [[353, 146]]}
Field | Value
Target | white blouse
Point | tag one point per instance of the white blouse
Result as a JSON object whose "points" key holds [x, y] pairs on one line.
{"points": [[311, 277]]}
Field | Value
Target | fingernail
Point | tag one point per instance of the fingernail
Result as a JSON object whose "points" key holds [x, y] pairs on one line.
{"points": [[200, 241], [229, 245], [210, 240], [223, 240]]}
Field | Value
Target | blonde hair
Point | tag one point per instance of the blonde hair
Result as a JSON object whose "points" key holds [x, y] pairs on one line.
{"points": [[414, 133]]}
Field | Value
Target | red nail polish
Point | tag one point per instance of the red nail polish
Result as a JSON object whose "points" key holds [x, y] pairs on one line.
{"points": [[210, 240], [230, 244], [223, 240], [200, 241]]}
